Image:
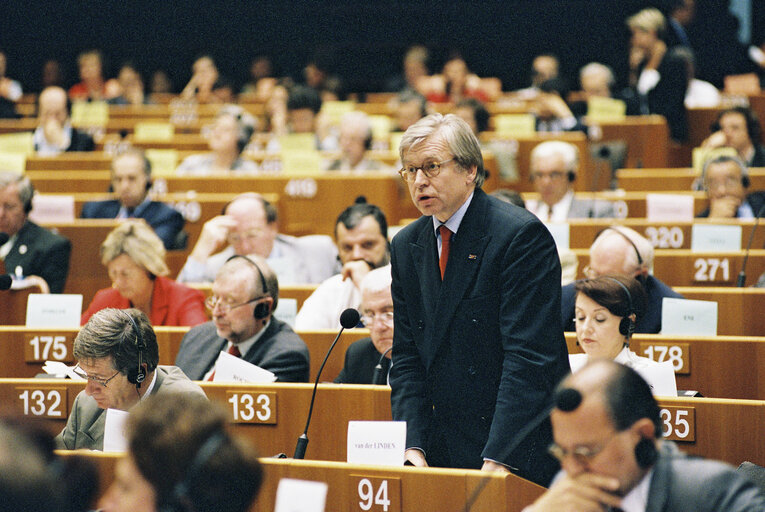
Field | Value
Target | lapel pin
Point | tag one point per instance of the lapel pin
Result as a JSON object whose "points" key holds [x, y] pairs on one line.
{"points": [[472, 257]]}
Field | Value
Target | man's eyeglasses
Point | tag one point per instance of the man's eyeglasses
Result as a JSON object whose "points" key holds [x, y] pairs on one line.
{"points": [[235, 238], [555, 175], [429, 169], [225, 307], [385, 317], [583, 455], [81, 373]]}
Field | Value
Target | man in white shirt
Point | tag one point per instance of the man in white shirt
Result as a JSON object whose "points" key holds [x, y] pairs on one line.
{"points": [[553, 171], [607, 435]]}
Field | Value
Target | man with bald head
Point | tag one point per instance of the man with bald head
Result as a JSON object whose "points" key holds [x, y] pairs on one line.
{"points": [[618, 250], [607, 435], [54, 133], [248, 225]]}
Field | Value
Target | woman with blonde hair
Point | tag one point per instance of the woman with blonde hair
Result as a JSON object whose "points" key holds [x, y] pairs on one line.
{"points": [[135, 259]]}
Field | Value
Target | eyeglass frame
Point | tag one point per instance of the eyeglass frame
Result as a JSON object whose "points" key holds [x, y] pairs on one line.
{"points": [[581, 454], [77, 370], [386, 317], [410, 177], [211, 304]]}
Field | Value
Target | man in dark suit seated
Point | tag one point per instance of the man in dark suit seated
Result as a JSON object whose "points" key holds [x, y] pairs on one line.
{"points": [[363, 356], [117, 353], [54, 133], [554, 166], [32, 251], [245, 295], [607, 430], [618, 250], [131, 181], [478, 346], [726, 180]]}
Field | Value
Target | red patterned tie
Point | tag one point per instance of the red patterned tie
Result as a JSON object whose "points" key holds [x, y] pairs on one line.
{"points": [[234, 351], [446, 237]]}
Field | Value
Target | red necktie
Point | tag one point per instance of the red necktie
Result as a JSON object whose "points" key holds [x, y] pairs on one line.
{"points": [[446, 237], [234, 351]]}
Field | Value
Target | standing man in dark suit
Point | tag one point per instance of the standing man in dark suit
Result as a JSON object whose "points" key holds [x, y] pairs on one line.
{"points": [[245, 295], [477, 347], [131, 181], [608, 433], [31, 251], [363, 356], [54, 133]]}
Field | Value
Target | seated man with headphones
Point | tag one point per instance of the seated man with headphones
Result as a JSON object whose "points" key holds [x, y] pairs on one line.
{"points": [[355, 141], [726, 180], [738, 128], [183, 457], [607, 435], [245, 294], [118, 355], [29, 251], [131, 181], [553, 171]]}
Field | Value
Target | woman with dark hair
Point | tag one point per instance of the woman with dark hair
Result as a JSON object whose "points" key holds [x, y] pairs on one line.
{"points": [[607, 308]]}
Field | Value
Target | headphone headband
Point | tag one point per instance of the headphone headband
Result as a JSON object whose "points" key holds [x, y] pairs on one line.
{"points": [[140, 346]]}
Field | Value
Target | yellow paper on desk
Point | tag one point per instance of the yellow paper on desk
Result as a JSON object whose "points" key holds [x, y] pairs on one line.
{"points": [[19, 142], [301, 163], [605, 109], [163, 161], [95, 113], [515, 125], [395, 142], [335, 110], [297, 142], [15, 162], [381, 126], [153, 132], [702, 155]]}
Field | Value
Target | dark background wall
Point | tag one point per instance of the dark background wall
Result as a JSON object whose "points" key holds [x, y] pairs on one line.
{"points": [[367, 39]]}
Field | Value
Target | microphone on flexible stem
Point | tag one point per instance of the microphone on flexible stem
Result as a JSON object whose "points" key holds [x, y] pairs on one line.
{"points": [[5, 281], [742, 275], [348, 319], [378, 368]]}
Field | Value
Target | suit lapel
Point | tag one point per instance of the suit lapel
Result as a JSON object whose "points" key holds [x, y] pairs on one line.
{"points": [[424, 252]]}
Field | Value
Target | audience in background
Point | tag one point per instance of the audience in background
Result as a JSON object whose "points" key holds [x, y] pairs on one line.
{"points": [[355, 141], [130, 87], [54, 133], [410, 107], [204, 83], [10, 91], [92, 85], [135, 260], [738, 128]]}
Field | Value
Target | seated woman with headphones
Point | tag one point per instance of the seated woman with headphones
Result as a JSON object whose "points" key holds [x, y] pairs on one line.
{"points": [[135, 260], [606, 310], [230, 133]]}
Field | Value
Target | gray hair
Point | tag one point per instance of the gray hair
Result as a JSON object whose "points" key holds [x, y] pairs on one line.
{"points": [[110, 333], [23, 186], [627, 235], [377, 280], [596, 68], [136, 239], [721, 159], [649, 20], [458, 136], [568, 152]]}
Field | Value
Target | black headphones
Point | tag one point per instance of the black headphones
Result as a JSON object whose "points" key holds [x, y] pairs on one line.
{"points": [[180, 501], [627, 324], [722, 159], [137, 375], [262, 309], [640, 278]]}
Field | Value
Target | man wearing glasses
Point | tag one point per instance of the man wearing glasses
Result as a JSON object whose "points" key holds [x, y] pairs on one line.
{"points": [[477, 346], [363, 356], [621, 251], [117, 354], [244, 295], [607, 432], [249, 225]]}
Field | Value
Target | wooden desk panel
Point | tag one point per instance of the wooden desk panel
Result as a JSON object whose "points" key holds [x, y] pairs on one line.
{"points": [[680, 179], [647, 139], [739, 310], [631, 205]]}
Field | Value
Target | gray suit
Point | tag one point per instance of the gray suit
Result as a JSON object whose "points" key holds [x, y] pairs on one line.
{"points": [[278, 350], [85, 426], [295, 260], [681, 483]]}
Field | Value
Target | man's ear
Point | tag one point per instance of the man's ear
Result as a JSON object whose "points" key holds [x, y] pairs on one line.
{"points": [[645, 428], [472, 173]]}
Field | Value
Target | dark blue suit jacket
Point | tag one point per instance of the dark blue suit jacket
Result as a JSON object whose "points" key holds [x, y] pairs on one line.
{"points": [[361, 358], [648, 323], [40, 252], [166, 221], [476, 357]]}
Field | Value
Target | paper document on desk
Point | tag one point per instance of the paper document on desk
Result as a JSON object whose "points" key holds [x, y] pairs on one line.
{"points": [[230, 368]]}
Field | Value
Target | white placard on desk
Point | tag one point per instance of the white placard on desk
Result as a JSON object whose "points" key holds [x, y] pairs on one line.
{"points": [[300, 496], [715, 238], [669, 207], [230, 368], [50, 208], [54, 310], [377, 442], [114, 431], [688, 317], [560, 233]]}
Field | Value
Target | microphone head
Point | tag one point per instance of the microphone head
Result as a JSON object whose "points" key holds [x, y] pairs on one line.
{"points": [[568, 399], [5, 281], [3, 238], [349, 318]]}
